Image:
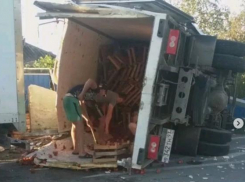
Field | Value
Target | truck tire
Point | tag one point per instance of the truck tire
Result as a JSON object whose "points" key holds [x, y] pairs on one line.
{"points": [[228, 62], [215, 136], [230, 47], [210, 149]]}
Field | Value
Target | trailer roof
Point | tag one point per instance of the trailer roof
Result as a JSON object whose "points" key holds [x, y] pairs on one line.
{"points": [[137, 15], [157, 6], [154, 6]]}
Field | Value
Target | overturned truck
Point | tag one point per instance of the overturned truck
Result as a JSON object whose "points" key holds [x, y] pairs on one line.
{"points": [[187, 82]]}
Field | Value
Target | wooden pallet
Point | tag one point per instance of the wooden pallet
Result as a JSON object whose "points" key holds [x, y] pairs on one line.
{"points": [[109, 153]]}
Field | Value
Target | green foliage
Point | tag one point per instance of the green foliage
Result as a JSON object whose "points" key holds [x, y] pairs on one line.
{"points": [[209, 15], [42, 62]]}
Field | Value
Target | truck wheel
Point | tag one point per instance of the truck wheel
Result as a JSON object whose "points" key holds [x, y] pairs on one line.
{"points": [[230, 47], [215, 136], [228, 62], [210, 149]]}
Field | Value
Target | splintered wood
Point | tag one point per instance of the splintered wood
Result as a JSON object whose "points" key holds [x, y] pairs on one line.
{"points": [[109, 152], [122, 71]]}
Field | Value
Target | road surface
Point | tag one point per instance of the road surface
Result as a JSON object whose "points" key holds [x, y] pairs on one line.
{"points": [[229, 168]]}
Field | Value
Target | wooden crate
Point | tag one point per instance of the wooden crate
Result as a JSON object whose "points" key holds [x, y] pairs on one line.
{"points": [[109, 153]]}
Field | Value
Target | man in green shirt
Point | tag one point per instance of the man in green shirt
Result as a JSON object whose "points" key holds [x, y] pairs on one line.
{"points": [[72, 102]]}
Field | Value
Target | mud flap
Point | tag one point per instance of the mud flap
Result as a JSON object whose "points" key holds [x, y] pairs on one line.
{"points": [[186, 140]]}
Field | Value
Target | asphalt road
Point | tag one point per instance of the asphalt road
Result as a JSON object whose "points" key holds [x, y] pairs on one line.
{"points": [[215, 169]]}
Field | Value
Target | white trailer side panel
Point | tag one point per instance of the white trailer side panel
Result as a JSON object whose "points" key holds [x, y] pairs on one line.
{"points": [[12, 108]]}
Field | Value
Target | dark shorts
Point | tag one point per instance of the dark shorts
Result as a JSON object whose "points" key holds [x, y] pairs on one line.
{"points": [[94, 110]]}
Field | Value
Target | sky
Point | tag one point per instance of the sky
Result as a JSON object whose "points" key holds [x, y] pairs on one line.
{"points": [[48, 36]]}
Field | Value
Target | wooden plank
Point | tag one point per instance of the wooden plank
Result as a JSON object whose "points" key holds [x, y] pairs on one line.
{"points": [[133, 71], [128, 86], [77, 166], [104, 160], [129, 89], [136, 76], [115, 62], [114, 74], [127, 75], [129, 57], [124, 73], [119, 59], [105, 50], [131, 94], [109, 147], [136, 100], [133, 55], [110, 153], [133, 97]]}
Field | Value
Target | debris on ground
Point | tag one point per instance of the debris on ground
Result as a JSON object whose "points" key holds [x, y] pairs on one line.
{"points": [[205, 178], [220, 167], [215, 159], [226, 157], [194, 162], [232, 166], [190, 176], [180, 162]]}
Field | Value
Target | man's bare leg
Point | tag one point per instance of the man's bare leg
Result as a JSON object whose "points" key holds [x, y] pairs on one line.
{"points": [[132, 127], [74, 137], [80, 133]]}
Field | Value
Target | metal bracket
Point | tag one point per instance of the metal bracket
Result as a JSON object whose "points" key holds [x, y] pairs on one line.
{"points": [[182, 96]]}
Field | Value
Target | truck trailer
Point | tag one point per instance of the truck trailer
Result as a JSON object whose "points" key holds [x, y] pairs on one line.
{"points": [[12, 96], [189, 78]]}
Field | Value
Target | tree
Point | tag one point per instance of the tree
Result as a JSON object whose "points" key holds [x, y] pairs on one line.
{"points": [[209, 15], [236, 28], [42, 62]]}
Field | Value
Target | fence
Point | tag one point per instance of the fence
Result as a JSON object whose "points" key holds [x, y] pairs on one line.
{"points": [[33, 76]]}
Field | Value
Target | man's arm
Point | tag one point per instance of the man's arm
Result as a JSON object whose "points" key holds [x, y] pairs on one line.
{"points": [[88, 85], [108, 118]]}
